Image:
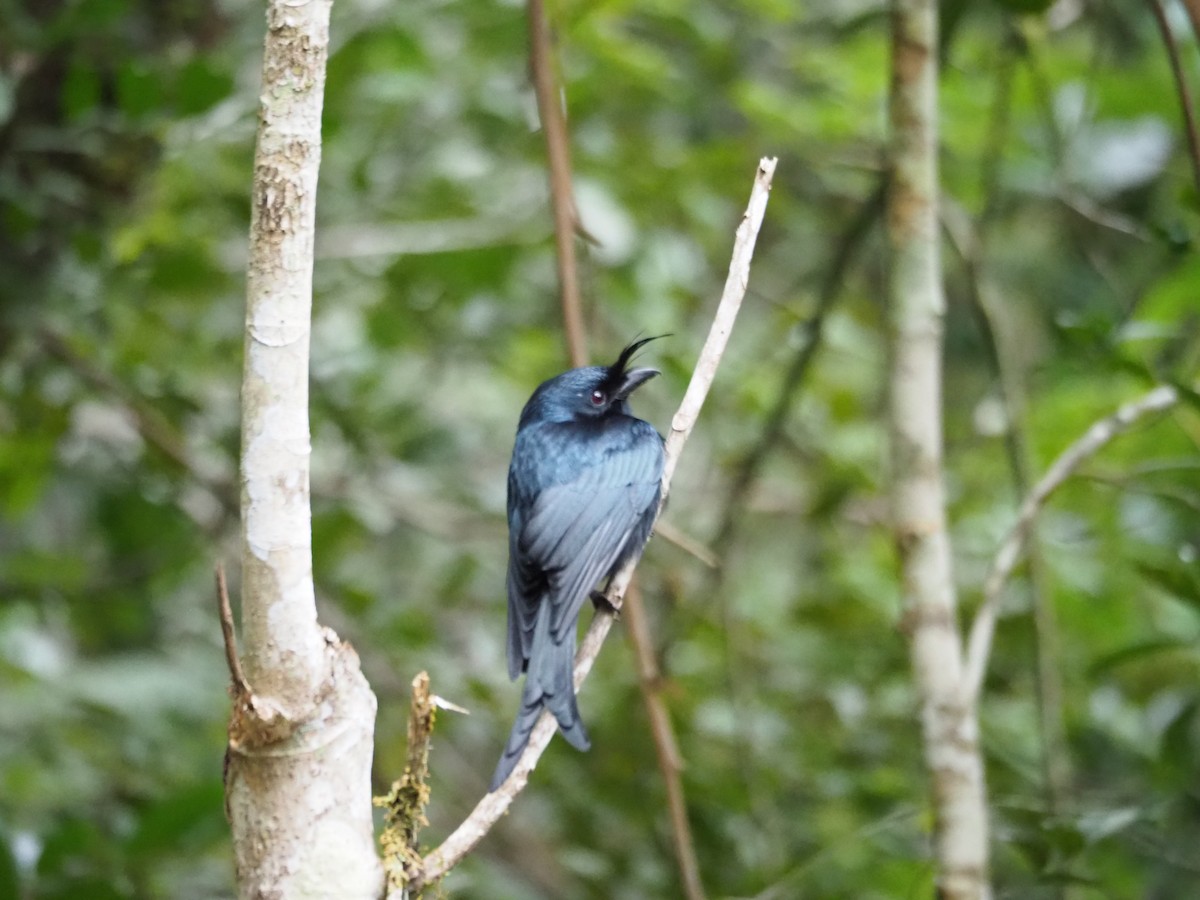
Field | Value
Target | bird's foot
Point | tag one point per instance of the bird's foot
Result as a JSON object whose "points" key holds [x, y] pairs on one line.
{"points": [[601, 603]]}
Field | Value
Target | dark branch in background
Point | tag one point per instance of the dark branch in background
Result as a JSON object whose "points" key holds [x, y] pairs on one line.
{"points": [[155, 429], [979, 642], [558, 153], [748, 470], [562, 197], [1185, 96], [847, 247], [494, 805], [1193, 11], [151, 425], [669, 759], [969, 243], [999, 123], [970, 240]]}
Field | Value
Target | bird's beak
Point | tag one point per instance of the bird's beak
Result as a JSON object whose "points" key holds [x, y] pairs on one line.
{"points": [[633, 380]]}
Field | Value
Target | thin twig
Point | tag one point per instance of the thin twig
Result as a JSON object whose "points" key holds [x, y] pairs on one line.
{"points": [[562, 199], [669, 759], [494, 805], [225, 611], [1100, 433], [686, 543], [1185, 96]]}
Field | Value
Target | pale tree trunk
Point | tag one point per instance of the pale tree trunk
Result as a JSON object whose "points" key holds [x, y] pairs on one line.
{"points": [[298, 788], [948, 717]]}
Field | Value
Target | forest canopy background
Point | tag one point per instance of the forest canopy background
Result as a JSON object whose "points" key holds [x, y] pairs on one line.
{"points": [[126, 136]]}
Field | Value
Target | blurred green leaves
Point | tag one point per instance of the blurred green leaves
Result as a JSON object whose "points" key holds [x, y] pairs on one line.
{"points": [[125, 149]]}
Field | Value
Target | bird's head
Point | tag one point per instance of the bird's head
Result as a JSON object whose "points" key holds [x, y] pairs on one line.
{"points": [[590, 392]]}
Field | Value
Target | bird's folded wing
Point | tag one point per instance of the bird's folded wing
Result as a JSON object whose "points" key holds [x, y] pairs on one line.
{"points": [[526, 586], [578, 530]]}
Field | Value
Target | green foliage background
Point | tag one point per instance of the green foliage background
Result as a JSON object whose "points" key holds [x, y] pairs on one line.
{"points": [[126, 133]]}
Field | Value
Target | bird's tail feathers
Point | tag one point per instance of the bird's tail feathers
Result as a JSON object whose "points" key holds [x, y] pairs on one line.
{"points": [[549, 683]]}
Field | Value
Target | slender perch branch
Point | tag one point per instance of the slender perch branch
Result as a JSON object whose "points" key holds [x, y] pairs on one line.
{"points": [[984, 299], [979, 643], [494, 805]]}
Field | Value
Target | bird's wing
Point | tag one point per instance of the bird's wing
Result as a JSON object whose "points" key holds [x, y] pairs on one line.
{"points": [[578, 530], [526, 587]]}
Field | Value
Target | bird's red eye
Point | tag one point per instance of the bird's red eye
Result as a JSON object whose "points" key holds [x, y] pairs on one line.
{"points": [[597, 397]]}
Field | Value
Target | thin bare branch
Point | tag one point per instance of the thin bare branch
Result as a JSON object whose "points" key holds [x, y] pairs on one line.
{"points": [[979, 642], [549, 101], [240, 687], [718, 335], [1185, 95], [687, 543], [494, 805]]}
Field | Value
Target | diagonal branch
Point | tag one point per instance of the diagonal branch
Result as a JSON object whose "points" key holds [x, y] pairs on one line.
{"points": [[239, 687], [494, 805], [155, 428], [979, 642]]}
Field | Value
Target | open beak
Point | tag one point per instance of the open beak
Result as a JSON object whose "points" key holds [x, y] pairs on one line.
{"points": [[633, 380]]}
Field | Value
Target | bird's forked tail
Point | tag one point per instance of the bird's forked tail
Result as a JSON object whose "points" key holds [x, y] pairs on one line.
{"points": [[549, 683]]}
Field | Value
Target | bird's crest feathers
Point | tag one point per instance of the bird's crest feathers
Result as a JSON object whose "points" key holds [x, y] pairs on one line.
{"points": [[617, 369]]}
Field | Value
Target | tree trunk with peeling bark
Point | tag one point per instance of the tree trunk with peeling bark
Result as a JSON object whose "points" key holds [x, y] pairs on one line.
{"points": [[948, 715], [298, 789]]}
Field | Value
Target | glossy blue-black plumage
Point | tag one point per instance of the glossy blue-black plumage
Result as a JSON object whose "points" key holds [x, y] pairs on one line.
{"points": [[583, 492]]}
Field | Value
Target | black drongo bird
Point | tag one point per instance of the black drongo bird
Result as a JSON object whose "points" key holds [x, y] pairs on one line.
{"points": [[583, 491]]}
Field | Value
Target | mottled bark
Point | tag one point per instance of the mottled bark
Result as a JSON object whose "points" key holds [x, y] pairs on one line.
{"points": [[298, 767], [916, 305]]}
